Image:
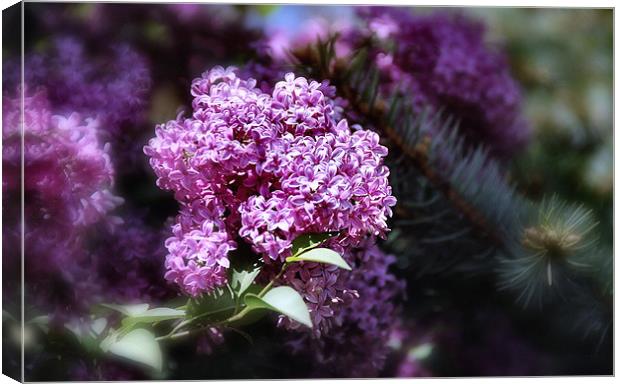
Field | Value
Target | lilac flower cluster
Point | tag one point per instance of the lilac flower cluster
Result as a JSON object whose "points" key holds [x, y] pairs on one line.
{"points": [[266, 168], [443, 61], [68, 169], [354, 324], [68, 180], [112, 87], [326, 289]]}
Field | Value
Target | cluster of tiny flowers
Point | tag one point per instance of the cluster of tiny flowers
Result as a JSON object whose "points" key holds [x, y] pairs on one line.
{"points": [[67, 183], [356, 345], [198, 250], [113, 88], [265, 168], [68, 171], [443, 61], [326, 291]]}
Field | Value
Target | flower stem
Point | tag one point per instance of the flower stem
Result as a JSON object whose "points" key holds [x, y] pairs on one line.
{"points": [[238, 316]]}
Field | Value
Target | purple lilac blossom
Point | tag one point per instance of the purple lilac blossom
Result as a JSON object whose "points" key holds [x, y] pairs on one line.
{"points": [[442, 59], [356, 342], [68, 189], [326, 291], [266, 168], [111, 87]]}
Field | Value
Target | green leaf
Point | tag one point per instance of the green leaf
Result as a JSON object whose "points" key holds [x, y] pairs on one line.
{"points": [[241, 280], [138, 345], [308, 241], [321, 255], [284, 300], [154, 315], [90, 337], [128, 310]]}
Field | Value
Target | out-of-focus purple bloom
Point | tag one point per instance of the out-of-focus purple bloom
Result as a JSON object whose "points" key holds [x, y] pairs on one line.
{"points": [[267, 168], [411, 345], [68, 181], [190, 36], [280, 42], [68, 171], [210, 338], [443, 60], [112, 87], [129, 263]]}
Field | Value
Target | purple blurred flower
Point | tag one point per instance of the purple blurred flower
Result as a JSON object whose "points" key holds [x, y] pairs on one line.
{"points": [[112, 86], [129, 263], [443, 61], [68, 181], [280, 42], [190, 36], [411, 345]]}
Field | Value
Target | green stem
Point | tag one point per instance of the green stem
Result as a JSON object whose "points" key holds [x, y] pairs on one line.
{"points": [[268, 286], [236, 317]]}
